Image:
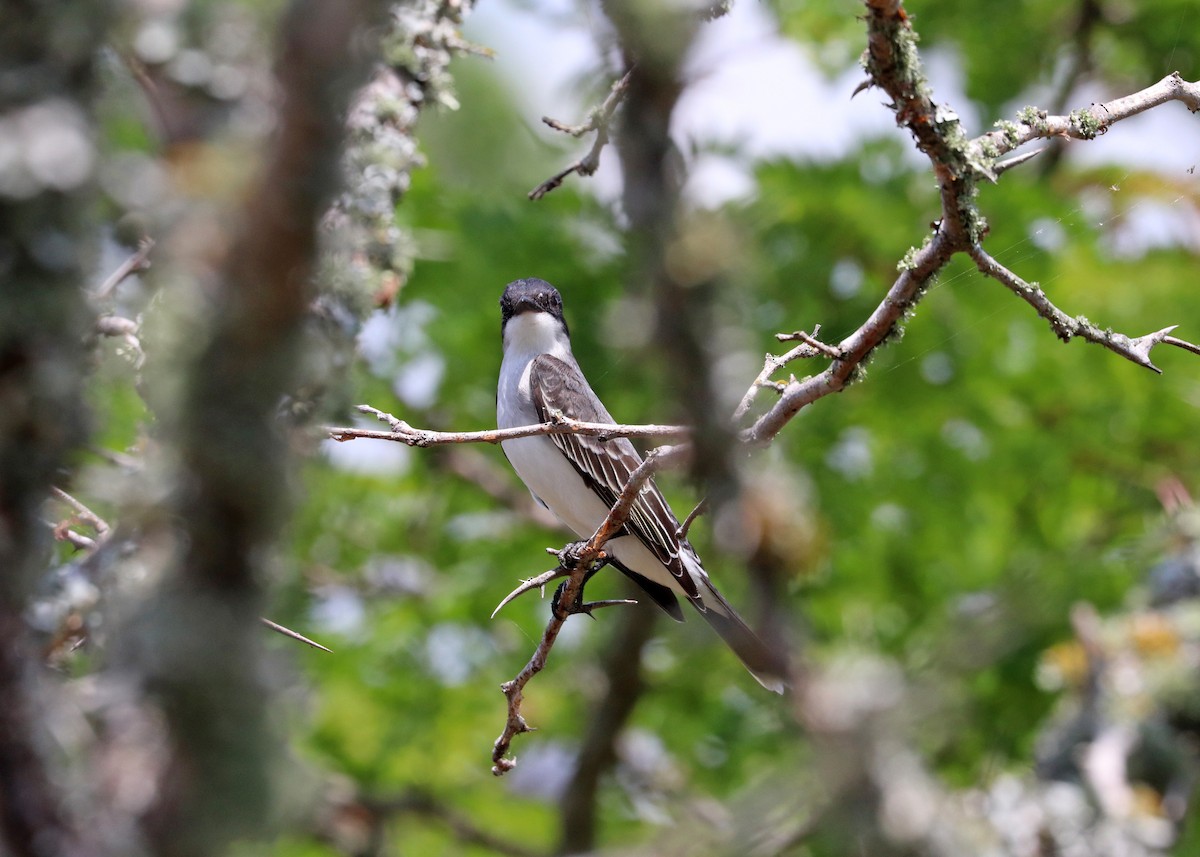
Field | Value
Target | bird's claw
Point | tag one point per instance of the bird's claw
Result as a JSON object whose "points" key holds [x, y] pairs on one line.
{"points": [[570, 556], [579, 605]]}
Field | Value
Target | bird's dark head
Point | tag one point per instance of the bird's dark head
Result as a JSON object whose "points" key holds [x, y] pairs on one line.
{"points": [[530, 295]]}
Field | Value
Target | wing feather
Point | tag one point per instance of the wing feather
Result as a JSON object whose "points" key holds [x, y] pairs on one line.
{"points": [[606, 465]]}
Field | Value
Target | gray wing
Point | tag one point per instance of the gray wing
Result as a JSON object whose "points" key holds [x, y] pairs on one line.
{"points": [[606, 465]]}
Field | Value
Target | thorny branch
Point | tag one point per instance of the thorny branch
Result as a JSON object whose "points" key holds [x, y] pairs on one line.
{"points": [[574, 563], [809, 346], [958, 164], [598, 121]]}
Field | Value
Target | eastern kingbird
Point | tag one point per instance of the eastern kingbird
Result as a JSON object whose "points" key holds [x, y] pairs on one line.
{"points": [[578, 478]]}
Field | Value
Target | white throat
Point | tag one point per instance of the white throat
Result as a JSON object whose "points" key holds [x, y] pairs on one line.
{"points": [[532, 333]]}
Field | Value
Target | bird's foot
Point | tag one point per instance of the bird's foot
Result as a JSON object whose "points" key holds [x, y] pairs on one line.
{"points": [[570, 557]]}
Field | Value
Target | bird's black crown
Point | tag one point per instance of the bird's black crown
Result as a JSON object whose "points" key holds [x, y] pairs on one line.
{"points": [[530, 295]]}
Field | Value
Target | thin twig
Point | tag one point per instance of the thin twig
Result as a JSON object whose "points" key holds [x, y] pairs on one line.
{"points": [[288, 632], [700, 508], [402, 432], [76, 540], [580, 561], [598, 122], [138, 261], [532, 583], [82, 512], [809, 346], [1180, 343], [810, 339]]}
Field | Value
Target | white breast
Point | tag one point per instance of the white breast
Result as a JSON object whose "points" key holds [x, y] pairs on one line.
{"points": [[551, 478]]}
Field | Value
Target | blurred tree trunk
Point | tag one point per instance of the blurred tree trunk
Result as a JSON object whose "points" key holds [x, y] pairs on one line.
{"points": [[623, 687], [200, 646], [46, 85]]}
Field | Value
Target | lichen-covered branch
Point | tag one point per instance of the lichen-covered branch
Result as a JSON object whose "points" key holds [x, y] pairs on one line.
{"points": [[893, 62], [217, 783], [46, 98], [1085, 123], [1066, 327]]}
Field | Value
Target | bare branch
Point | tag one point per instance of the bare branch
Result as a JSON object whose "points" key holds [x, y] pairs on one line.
{"points": [[402, 432], [288, 632], [77, 540], [138, 261], [809, 346], [1086, 123], [815, 345], [699, 509], [856, 348], [598, 121], [574, 563], [82, 512], [1179, 343], [1065, 327], [894, 65]]}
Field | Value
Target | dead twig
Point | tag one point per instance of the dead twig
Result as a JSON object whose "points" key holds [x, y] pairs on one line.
{"points": [[83, 513], [598, 121], [809, 347], [402, 432], [575, 564], [700, 508], [138, 261], [288, 632]]}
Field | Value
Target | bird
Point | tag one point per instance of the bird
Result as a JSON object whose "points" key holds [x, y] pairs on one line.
{"points": [[578, 478]]}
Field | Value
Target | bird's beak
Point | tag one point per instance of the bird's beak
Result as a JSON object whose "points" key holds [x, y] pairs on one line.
{"points": [[526, 303]]}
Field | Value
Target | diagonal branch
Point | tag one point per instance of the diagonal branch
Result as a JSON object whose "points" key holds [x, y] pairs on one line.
{"points": [[576, 564], [138, 261], [1065, 327], [1086, 123]]}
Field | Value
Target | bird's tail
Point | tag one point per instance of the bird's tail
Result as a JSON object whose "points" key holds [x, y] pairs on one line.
{"points": [[769, 667]]}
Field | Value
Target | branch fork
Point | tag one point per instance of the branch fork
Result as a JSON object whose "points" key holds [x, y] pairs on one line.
{"points": [[599, 121]]}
